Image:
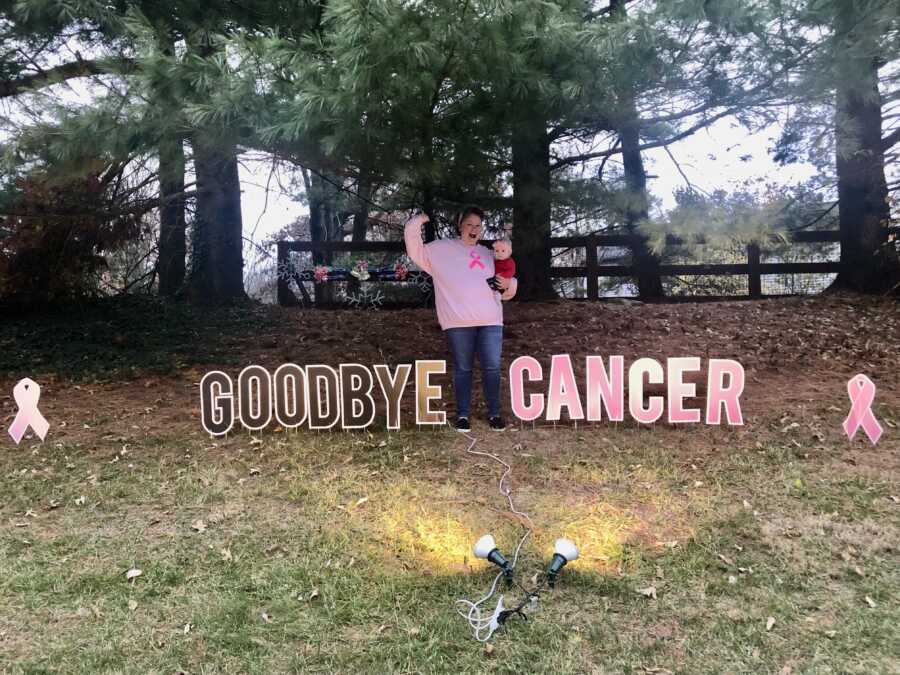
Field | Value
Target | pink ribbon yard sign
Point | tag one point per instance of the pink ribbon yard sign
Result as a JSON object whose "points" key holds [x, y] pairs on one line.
{"points": [[862, 394], [475, 260], [27, 393]]}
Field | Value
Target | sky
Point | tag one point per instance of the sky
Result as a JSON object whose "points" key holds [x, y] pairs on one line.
{"points": [[269, 203], [724, 155], [738, 157]]}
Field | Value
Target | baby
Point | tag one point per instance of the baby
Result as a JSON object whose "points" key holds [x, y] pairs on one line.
{"points": [[504, 265]]}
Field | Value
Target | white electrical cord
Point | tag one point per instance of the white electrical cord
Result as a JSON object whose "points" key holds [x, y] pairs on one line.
{"points": [[483, 626]]}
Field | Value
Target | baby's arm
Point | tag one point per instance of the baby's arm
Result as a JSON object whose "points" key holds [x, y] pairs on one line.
{"points": [[510, 290]]}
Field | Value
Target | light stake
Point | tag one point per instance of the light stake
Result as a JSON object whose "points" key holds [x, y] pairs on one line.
{"points": [[486, 548], [564, 551]]}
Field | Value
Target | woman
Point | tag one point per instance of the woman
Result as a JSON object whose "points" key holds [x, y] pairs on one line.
{"points": [[469, 310]]}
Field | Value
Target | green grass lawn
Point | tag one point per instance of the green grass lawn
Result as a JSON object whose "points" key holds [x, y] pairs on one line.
{"points": [[345, 553], [771, 548]]}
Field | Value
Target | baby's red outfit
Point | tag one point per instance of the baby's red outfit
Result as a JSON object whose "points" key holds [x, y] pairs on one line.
{"points": [[505, 268]]}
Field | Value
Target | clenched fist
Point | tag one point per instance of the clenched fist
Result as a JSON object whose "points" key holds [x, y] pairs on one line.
{"points": [[418, 220]]}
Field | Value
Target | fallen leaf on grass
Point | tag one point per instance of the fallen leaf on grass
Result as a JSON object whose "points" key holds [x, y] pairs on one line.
{"points": [[769, 623], [649, 592]]}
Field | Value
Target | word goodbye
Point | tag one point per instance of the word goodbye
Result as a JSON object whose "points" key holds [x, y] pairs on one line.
{"points": [[323, 397], [316, 395]]}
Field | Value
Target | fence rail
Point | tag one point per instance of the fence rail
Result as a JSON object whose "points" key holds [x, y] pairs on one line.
{"points": [[592, 270]]}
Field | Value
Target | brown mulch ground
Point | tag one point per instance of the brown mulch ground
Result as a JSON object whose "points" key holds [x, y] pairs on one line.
{"points": [[798, 354]]}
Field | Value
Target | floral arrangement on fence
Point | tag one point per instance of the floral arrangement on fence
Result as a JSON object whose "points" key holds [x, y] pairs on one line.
{"points": [[320, 274], [360, 270]]}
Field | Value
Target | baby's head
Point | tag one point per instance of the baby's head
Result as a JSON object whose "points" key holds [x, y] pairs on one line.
{"points": [[502, 249]]}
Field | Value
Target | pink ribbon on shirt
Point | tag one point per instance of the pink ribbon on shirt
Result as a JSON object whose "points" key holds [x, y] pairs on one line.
{"points": [[27, 393], [476, 260], [862, 394]]}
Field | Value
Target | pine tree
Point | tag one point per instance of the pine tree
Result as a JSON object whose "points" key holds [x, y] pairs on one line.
{"points": [[846, 56]]}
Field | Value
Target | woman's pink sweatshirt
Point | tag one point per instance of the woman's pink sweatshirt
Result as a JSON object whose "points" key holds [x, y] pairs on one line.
{"points": [[461, 294]]}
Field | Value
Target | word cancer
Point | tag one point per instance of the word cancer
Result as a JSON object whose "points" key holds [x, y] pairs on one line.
{"points": [[606, 389]]}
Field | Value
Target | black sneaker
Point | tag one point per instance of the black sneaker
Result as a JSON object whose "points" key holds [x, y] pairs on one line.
{"points": [[462, 424], [497, 423]]}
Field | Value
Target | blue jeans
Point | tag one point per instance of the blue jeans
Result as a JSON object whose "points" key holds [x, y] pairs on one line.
{"points": [[464, 342]]}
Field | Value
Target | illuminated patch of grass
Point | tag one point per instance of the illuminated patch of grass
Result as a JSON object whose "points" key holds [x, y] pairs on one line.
{"points": [[320, 554]]}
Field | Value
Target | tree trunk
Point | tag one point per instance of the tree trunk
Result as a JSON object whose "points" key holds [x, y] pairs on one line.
{"points": [[172, 229], [218, 263], [319, 215], [429, 209], [636, 208], [361, 216], [172, 249], [646, 265], [531, 209], [868, 264]]}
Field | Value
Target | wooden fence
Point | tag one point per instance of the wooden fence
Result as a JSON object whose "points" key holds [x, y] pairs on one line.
{"points": [[592, 270]]}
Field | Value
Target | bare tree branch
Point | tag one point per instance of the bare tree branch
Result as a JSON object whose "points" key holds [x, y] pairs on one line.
{"points": [[63, 72], [647, 146], [892, 138]]}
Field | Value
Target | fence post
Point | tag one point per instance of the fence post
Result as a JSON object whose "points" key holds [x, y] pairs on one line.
{"points": [[593, 291], [754, 281]]}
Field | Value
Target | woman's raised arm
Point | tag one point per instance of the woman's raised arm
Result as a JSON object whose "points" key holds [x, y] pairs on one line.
{"points": [[415, 247]]}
